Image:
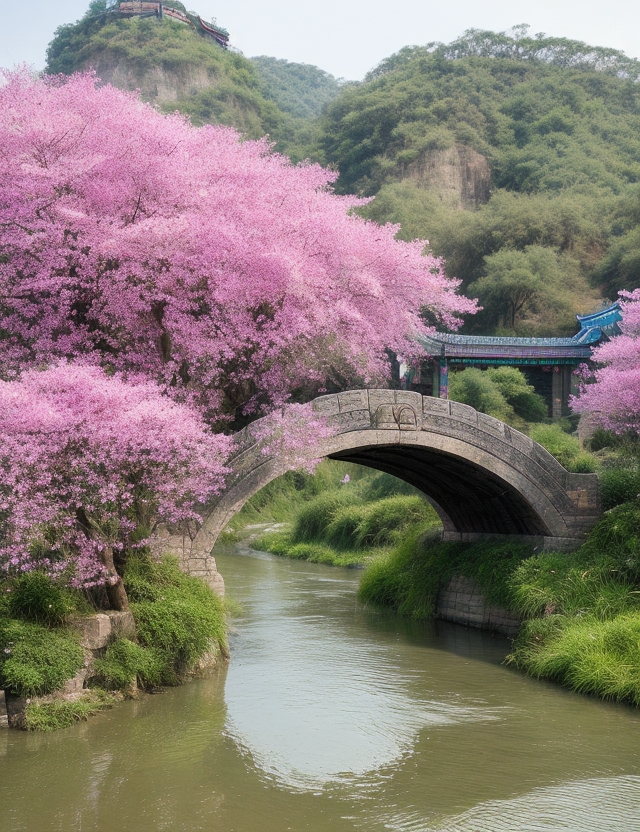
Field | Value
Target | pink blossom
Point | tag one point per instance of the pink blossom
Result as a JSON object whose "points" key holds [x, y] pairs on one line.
{"points": [[213, 266], [87, 459], [614, 395]]}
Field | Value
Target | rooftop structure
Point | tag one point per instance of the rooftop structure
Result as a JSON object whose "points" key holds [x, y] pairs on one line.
{"points": [[174, 11], [547, 362]]}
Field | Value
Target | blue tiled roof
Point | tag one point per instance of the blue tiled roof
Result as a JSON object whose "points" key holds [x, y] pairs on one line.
{"points": [[593, 327]]}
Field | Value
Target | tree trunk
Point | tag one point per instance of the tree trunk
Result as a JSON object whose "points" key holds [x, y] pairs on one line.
{"points": [[116, 592]]}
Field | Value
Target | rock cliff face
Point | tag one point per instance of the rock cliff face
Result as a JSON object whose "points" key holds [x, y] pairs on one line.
{"points": [[459, 175], [156, 84]]}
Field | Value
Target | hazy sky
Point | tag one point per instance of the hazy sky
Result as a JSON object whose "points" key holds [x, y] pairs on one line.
{"points": [[345, 37]]}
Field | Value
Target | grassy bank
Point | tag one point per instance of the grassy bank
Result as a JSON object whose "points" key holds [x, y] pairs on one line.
{"points": [[179, 620], [343, 515], [581, 610]]}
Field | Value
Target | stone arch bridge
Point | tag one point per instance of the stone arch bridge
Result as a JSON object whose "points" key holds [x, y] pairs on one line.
{"points": [[484, 478]]}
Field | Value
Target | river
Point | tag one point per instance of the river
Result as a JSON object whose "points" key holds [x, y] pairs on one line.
{"points": [[334, 717]]}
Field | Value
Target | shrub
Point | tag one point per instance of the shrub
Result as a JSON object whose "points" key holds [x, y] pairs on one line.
{"points": [[342, 531], [35, 660], [34, 597], [178, 617], [564, 447], [521, 395], [616, 540], [477, 389]]}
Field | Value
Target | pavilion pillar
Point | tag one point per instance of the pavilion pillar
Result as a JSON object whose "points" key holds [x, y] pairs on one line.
{"points": [[556, 393], [443, 379]]}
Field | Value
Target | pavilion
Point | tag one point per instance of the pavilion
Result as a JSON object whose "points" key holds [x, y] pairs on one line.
{"points": [[548, 363]]}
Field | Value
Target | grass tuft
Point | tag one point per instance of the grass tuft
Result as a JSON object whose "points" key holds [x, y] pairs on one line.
{"points": [[35, 660], [126, 662], [55, 715], [177, 617]]}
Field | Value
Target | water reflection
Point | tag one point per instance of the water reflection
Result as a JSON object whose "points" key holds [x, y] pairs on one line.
{"points": [[335, 704]]}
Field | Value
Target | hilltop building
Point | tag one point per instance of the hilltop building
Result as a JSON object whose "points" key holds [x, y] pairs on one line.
{"points": [[174, 11]]}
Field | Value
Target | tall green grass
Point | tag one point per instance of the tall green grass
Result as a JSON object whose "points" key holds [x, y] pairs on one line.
{"points": [[339, 528], [411, 576], [586, 654]]}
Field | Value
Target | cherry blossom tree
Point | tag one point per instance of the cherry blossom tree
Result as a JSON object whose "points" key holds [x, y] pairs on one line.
{"points": [[614, 394], [169, 278], [87, 462], [213, 266]]}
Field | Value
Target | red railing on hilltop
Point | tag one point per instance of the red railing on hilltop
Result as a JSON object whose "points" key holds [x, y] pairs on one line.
{"points": [[142, 8]]}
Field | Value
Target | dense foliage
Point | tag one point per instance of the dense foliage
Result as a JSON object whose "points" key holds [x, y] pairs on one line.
{"points": [[35, 659], [548, 128]]}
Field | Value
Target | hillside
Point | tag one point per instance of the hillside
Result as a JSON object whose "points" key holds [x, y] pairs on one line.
{"points": [[516, 157], [172, 66], [302, 90]]}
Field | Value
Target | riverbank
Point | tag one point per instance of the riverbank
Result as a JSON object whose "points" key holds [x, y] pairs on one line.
{"points": [[580, 611], [60, 662]]}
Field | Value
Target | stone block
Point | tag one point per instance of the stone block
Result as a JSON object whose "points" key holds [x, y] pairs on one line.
{"points": [[95, 630], [432, 405], [326, 405], [491, 425], [464, 412], [122, 624], [353, 400], [381, 397]]}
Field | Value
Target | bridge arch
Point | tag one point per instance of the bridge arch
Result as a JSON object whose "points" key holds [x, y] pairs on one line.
{"points": [[483, 477]]}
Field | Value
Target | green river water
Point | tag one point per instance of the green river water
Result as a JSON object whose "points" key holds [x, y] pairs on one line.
{"points": [[333, 717]]}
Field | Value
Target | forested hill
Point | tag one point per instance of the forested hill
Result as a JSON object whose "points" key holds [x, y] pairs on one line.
{"points": [[175, 68], [517, 157], [302, 90]]}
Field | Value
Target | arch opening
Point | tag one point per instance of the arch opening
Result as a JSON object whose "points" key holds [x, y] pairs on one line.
{"points": [[468, 497]]}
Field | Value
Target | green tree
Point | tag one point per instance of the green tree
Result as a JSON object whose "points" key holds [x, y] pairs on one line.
{"points": [[516, 282]]}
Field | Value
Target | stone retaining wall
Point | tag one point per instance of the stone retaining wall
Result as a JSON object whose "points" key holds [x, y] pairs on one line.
{"points": [[463, 603]]}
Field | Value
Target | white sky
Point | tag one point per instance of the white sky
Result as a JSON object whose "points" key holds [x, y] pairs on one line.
{"points": [[345, 37]]}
